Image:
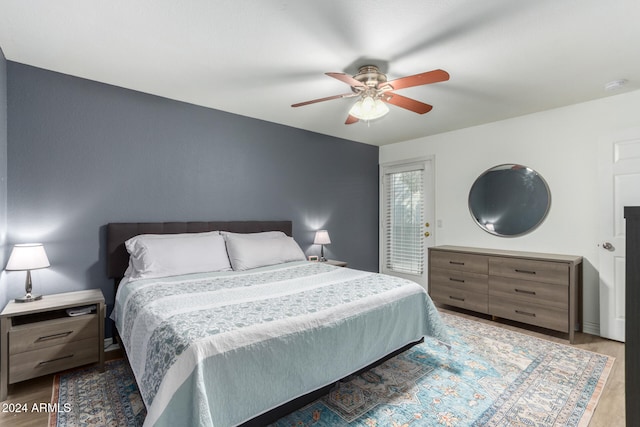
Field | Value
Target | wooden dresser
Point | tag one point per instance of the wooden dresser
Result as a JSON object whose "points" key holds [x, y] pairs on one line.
{"points": [[538, 289]]}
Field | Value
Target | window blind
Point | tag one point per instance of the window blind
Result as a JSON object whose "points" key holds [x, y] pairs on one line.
{"points": [[403, 220]]}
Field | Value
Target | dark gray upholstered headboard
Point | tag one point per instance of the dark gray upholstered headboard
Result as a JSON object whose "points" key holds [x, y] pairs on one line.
{"points": [[120, 232]]}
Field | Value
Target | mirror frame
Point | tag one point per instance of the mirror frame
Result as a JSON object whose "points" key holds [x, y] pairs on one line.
{"points": [[531, 228]]}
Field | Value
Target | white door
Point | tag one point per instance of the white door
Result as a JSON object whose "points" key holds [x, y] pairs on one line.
{"points": [[406, 217], [619, 177]]}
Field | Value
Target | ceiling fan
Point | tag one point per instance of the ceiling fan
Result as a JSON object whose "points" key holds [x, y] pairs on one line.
{"points": [[374, 91]]}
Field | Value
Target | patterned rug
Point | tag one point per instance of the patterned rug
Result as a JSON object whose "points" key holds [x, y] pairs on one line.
{"points": [[88, 397], [491, 377]]}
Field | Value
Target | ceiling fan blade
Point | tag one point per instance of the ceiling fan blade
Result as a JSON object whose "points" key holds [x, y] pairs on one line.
{"points": [[350, 120], [406, 103], [434, 76], [328, 98], [346, 78]]}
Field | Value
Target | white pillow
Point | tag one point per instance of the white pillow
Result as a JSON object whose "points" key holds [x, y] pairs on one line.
{"points": [[247, 252], [259, 235], [162, 255]]}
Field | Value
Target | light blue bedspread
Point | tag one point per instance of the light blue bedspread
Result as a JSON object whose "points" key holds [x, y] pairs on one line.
{"points": [[218, 349]]}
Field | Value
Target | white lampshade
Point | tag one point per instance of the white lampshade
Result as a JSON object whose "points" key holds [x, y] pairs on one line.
{"points": [[322, 238], [369, 109], [28, 256]]}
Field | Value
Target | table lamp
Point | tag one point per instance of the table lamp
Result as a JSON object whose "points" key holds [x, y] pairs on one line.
{"points": [[28, 256], [322, 238]]}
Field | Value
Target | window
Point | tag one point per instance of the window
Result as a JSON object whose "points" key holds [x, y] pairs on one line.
{"points": [[403, 220]]}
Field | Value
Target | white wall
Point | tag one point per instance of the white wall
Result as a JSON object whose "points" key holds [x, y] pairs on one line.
{"points": [[562, 145]]}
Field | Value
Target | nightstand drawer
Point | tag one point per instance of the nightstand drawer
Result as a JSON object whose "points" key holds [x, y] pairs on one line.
{"points": [[53, 332], [34, 363]]}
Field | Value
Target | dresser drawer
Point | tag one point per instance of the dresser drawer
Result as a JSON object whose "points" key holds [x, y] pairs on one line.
{"points": [[529, 292], [34, 363], [35, 336], [459, 261], [539, 271], [458, 279], [546, 317], [460, 298]]}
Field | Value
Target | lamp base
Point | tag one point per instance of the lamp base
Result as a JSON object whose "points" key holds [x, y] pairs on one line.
{"points": [[29, 298]]}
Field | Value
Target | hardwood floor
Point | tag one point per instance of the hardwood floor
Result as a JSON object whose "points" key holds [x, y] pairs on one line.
{"points": [[609, 412]]}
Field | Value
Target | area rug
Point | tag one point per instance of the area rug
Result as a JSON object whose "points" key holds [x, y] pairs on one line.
{"points": [[490, 377], [88, 397]]}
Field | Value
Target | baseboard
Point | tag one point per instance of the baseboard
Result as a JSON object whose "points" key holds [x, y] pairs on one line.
{"points": [[109, 345], [591, 328]]}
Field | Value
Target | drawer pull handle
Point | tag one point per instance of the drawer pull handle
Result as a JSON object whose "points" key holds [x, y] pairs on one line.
{"points": [[522, 291], [525, 271], [54, 336], [526, 313], [456, 262], [456, 280], [56, 359], [456, 298]]}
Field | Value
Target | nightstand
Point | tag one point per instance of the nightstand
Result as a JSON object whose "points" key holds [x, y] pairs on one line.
{"points": [[40, 338], [336, 263]]}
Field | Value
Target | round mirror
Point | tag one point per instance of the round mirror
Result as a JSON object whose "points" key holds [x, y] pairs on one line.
{"points": [[509, 200]]}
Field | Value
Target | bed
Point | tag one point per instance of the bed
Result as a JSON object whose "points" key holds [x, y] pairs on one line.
{"points": [[247, 344]]}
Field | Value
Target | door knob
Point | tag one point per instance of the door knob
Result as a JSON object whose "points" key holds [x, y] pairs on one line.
{"points": [[427, 234], [608, 246]]}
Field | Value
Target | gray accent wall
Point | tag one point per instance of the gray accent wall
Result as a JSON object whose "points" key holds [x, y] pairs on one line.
{"points": [[83, 154], [3, 176]]}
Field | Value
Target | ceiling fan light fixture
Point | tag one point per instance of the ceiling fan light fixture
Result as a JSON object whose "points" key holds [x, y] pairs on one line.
{"points": [[368, 109], [375, 92]]}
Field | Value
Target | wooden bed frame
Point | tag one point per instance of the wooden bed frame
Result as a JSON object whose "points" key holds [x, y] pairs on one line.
{"points": [[118, 260]]}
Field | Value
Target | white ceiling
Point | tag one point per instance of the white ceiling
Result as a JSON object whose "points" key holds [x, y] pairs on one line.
{"points": [[257, 57]]}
